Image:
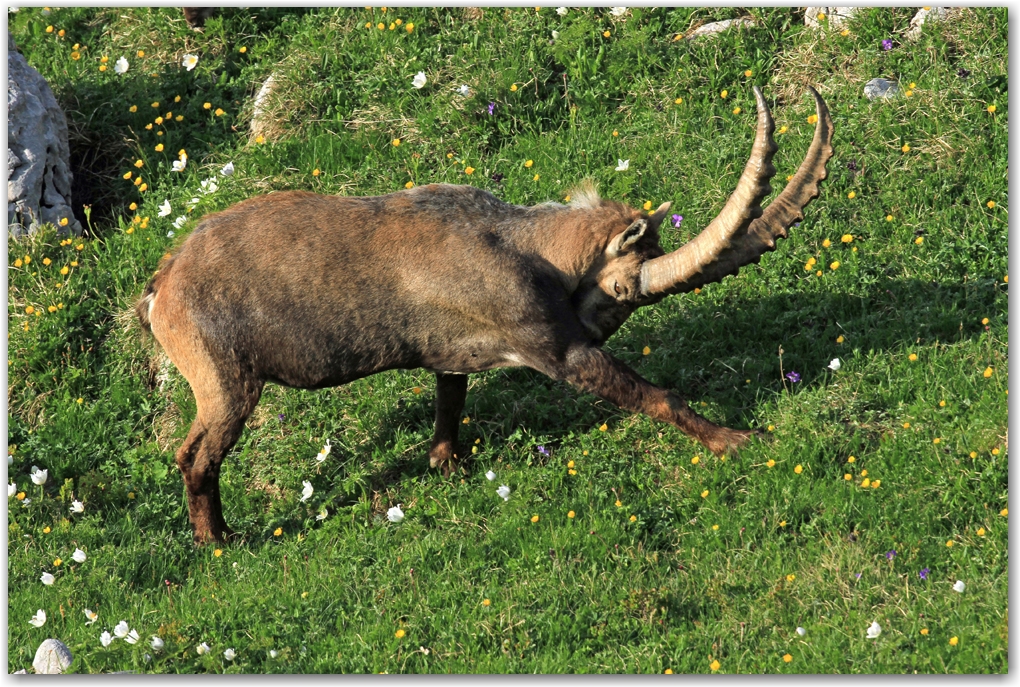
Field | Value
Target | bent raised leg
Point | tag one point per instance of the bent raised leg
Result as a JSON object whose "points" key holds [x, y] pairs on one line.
{"points": [[451, 391], [599, 373]]}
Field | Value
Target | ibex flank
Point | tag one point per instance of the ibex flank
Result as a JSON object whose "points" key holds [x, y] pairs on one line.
{"points": [[314, 291]]}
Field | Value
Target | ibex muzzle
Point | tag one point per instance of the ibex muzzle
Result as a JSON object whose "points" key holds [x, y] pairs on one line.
{"points": [[315, 291]]}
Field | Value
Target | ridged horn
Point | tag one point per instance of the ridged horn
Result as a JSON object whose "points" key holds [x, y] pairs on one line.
{"points": [[742, 232]]}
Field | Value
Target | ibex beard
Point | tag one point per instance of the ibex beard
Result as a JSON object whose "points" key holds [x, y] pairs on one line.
{"points": [[313, 291]]}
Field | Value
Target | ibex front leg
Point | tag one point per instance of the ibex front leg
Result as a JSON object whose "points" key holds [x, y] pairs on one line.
{"points": [[451, 390], [598, 372]]}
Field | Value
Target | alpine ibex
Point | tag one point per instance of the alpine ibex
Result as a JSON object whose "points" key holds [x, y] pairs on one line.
{"points": [[314, 291]]}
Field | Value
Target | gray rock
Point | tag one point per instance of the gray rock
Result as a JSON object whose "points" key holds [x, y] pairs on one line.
{"points": [[38, 170], [924, 15], [718, 26], [836, 16], [881, 88], [260, 120], [52, 658]]}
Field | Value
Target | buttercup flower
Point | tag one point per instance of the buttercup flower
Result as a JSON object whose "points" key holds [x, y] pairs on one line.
{"points": [[395, 514], [189, 62]]}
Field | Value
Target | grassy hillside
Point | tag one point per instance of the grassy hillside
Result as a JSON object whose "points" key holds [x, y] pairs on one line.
{"points": [[623, 546]]}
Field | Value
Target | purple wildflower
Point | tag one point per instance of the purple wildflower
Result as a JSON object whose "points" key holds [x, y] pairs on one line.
{"points": [[924, 573], [890, 554], [281, 416], [887, 44], [492, 108], [857, 576], [677, 219], [497, 177], [794, 377], [543, 450]]}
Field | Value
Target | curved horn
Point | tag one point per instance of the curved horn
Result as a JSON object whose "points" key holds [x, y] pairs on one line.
{"points": [[741, 233]]}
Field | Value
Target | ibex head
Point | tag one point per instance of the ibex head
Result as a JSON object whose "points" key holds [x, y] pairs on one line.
{"points": [[634, 271]]}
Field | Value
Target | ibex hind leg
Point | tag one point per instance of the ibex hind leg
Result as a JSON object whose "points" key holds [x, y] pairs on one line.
{"points": [[451, 391], [217, 427]]}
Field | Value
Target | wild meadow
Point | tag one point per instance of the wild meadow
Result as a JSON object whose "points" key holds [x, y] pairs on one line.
{"points": [[865, 532]]}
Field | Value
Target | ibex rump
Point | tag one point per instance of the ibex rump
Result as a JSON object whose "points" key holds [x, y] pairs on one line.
{"points": [[315, 291]]}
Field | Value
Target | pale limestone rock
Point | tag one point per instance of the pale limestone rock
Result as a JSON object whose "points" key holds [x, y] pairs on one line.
{"points": [[52, 658], [38, 169], [718, 26]]}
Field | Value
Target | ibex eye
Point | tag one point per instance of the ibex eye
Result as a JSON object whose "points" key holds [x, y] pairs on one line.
{"points": [[616, 287]]}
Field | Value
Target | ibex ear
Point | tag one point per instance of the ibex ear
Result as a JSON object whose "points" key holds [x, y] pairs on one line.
{"points": [[655, 219], [627, 238]]}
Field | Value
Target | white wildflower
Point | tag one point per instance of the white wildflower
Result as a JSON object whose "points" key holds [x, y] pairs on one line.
{"points": [[105, 639], [209, 186], [419, 80], [834, 365], [555, 35], [189, 62], [165, 209], [179, 165], [464, 90], [49, 579], [39, 476], [504, 491], [490, 475], [801, 631], [170, 234], [617, 11], [959, 586], [622, 165], [202, 648], [874, 631], [229, 654], [324, 452], [39, 619], [91, 615], [121, 630], [228, 169], [308, 490], [395, 514], [273, 653], [12, 489], [157, 643], [131, 637], [562, 11], [180, 221], [79, 556], [323, 514], [77, 507], [121, 65]]}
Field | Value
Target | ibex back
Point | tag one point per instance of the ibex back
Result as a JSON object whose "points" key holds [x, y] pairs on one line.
{"points": [[315, 291]]}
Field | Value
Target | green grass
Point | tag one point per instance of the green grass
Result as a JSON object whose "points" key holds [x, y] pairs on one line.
{"points": [[641, 587]]}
